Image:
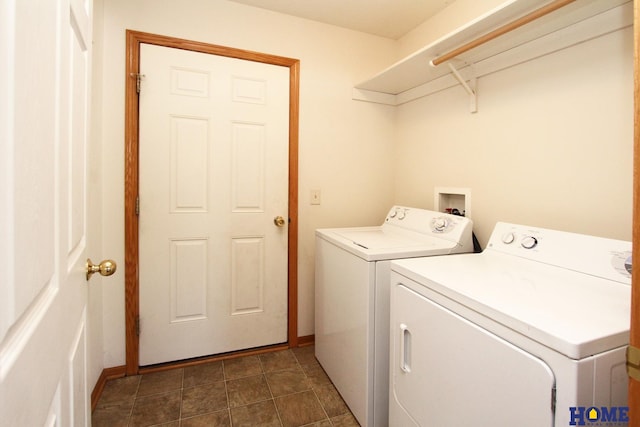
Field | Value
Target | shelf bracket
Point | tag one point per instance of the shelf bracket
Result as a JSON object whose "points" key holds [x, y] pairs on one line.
{"points": [[471, 90]]}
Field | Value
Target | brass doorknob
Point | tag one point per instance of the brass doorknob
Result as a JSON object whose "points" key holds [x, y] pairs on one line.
{"points": [[279, 221], [105, 268]]}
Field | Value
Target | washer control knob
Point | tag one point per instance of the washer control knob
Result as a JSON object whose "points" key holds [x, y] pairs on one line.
{"points": [[402, 214], [508, 238], [529, 242], [439, 224], [393, 214]]}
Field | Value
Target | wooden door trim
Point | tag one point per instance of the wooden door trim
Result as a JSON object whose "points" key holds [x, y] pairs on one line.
{"points": [[131, 166]]}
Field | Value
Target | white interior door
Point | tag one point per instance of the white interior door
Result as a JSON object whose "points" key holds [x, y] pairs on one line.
{"points": [[44, 81], [213, 176]]}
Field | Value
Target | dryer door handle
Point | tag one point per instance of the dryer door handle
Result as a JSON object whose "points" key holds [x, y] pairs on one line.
{"points": [[405, 348]]}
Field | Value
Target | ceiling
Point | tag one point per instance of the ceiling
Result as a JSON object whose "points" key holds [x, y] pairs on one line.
{"points": [[386, 18]]}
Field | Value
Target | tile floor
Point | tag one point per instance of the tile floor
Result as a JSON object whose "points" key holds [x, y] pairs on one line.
{"points": [[285, 389]]}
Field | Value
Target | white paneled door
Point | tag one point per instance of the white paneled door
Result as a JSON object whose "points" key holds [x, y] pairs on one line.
{"points": [[213, 181], [44, 81]]}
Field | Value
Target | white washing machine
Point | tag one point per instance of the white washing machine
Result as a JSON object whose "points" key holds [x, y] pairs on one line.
{"points": [[531, 332], [352, 298]]}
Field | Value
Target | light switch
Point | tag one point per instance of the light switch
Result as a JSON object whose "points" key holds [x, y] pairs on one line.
{"points": [[315, 197]]}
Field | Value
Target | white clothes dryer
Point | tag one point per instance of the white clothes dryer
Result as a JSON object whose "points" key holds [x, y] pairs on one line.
{"points": [[352, 298], [531, 332]]}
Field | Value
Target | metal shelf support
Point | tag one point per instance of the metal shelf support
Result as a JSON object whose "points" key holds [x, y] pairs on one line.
{"points": [[471, 90]]}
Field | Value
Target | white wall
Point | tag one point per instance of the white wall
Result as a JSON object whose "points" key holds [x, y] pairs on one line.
{"points": [[550, 146], [345, 146], [459, 13]]}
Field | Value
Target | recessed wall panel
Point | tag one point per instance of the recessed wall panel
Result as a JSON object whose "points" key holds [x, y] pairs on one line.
{"points": [[247, 275], [37, 129], [77, 153], [249, 91], [248, 180], [189, 82], [189, 163], [188, 279]]}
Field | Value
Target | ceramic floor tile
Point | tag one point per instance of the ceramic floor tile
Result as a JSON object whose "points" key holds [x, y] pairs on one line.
{"points": [[247, 390], [305, 355], [316, 376], [278, 360], [261, 414], [242, 367], [282, 388], [115, 404], [202, 374], [112, 416], [120, 390], [299, 409], [330, 400], [346, 420], [214, 419], [203, 399], [287, 382], [156, 409], [323, 423], [160, 382]]}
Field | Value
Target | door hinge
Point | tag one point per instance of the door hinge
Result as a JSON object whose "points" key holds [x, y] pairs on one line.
{"points": [[139, 78], [138, 205], [633, 362], [553, 399], [138, 326]]}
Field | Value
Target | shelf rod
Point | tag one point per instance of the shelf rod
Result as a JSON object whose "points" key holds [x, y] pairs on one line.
{"points": [[538, 13]]}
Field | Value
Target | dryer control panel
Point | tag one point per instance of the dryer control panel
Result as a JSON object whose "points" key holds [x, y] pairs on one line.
{"points": [[598, 256]]}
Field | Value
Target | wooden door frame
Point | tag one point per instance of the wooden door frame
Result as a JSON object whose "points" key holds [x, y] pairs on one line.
{"points": [[131, 167]]}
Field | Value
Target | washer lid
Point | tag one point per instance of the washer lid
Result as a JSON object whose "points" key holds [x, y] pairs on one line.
{"points": [[573, 313], [378, 239], [379, 243]]}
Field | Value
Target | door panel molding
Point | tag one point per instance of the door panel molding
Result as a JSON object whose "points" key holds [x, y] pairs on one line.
{"points": [[132, 297]]}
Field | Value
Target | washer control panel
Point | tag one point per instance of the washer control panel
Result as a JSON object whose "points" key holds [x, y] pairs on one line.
{"points": [[598, 256], [397, 213], [439, 224], [428, 222]]}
